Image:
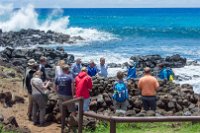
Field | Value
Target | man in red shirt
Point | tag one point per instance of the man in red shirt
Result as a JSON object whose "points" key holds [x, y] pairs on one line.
{"points": [[83, 84]]}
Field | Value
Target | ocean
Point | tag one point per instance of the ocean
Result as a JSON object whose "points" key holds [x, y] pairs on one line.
{"points": [[118, 33]]}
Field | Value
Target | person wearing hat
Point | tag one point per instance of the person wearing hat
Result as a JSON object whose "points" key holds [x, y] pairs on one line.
{"points": [[65, 88], [148, 86], [83, 83], [32, 67], [131, 70], [76, 67]]}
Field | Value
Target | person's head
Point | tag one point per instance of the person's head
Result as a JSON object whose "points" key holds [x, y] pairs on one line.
{"points": [[78, 61], [37, 74], [84, 69], [61, 63], [131, 63], [161, 66], [92, 64], [120, 75], [65, 68], [32, 63], [147, 70], [102, 61], [43, 60]]}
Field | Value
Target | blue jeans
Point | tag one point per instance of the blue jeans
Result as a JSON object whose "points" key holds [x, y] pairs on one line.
{"points": [[86, 104]]}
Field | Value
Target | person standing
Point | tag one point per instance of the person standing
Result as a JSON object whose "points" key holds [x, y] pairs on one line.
{"points": [[148, 86], [39, 99], [76, 67], [131, 70], [166, 73], [58, 68], [43, 62], [83, 83], [65, 88], [102, 68], [120, 94], [92, 70], [32, 67]]}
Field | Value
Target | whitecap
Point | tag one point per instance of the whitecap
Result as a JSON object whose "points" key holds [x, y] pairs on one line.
{"points": [[27, 18]]}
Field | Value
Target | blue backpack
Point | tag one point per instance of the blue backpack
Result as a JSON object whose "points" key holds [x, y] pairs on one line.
{"points": [[120, 92], [170, 73]]}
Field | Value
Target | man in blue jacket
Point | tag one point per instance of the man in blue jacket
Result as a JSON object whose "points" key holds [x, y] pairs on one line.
{"points": [[92, 70], [163, 72], [131, 70]]}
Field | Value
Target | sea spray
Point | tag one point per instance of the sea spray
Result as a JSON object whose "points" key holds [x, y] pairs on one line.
{"points": [[27, 18]]}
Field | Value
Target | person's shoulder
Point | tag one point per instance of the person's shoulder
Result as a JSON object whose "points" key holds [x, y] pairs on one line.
{"points": [[142, 78], [74, 64], [154, 78], [106, 65]]}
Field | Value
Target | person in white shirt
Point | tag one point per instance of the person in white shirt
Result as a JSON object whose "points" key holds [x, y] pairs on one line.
{"points": [[102, 68], [58, 69]]}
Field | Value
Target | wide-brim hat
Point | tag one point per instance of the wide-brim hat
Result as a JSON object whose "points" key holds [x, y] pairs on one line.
{"points": [[32, 62]]}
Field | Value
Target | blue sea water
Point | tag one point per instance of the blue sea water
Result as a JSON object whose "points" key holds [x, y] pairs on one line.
{"points": [[139, 31], [118, 34]]}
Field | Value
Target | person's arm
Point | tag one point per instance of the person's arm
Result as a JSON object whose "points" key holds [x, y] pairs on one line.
{"points": [[140, 84], [165, 74], [56, 85], [156, 84], [98, 69], [46, 85], [73, 69], [89, 83], [73, 88]]}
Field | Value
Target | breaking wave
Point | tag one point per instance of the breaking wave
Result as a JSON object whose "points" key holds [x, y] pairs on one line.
{"points": [[27, 18]]}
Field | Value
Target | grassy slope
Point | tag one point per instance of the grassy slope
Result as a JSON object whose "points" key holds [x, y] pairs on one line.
{"points": [[150, 128]]}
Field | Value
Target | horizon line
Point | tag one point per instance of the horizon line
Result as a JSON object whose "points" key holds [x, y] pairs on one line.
{"points": [[117, 7]]}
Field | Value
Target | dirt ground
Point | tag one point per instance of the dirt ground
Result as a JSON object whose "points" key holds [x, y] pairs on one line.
{"points": [[19, 110]]}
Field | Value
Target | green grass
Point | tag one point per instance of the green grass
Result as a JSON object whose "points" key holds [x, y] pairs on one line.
{"points": [[184, 127], [4, 131]]}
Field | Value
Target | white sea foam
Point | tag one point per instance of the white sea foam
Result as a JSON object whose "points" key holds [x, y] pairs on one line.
{"points": [[27, 17], [189, 75]]}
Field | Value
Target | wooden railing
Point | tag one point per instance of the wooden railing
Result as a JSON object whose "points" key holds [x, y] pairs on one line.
{"points": [[114, 119]]}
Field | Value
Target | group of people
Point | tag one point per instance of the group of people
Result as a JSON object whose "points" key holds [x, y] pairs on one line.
{"points": [[75, 81], [70, 81]]}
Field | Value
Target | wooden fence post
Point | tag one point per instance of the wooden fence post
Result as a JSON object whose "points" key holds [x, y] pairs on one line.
{"points": [[80, 116], [112, 126], [63, 112]]}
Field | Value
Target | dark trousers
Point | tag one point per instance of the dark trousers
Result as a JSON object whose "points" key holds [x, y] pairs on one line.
{"points": [[149, 102]]}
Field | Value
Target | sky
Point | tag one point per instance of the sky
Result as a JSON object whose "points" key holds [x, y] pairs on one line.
{"points": [[103, 3]]}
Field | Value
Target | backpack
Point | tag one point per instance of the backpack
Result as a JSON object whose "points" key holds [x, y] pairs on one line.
{"points": [[120, 92], [170, 74]]}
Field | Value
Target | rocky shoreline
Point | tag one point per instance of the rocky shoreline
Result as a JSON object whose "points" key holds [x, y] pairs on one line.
{"points": [[172, 99], [31, 37]]}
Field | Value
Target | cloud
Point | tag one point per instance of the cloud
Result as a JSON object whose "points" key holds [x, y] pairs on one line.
{"points": [[105, 3]]}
